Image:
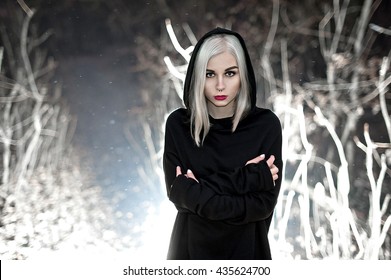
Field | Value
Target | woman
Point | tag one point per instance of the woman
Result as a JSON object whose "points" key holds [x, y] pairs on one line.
{"points": [[222, 156]]}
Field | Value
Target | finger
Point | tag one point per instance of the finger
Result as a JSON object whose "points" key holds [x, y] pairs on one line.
{"points": [[275, 179], [190, 175], [257, 159], [274, 169], [178, 171], [274, 172], [270, 161]]}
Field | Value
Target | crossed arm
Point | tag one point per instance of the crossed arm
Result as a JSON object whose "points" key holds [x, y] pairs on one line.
{"points": [[258, 159], [247, 195]]}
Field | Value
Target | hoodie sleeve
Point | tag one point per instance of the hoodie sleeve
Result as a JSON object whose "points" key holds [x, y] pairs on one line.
{"points": [[234, 209], [242, 180], [214, 203], [226, 202], [217, 191]]}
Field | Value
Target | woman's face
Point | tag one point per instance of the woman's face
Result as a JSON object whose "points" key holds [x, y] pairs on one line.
{"points": [[222, 85]]}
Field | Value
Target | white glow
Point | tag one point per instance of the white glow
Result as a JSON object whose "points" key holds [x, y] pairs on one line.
{"points": [[156, 232]]}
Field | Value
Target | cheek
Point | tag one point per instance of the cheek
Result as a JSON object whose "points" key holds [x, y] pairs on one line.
{"points": [[236, 84], [208, 87]]}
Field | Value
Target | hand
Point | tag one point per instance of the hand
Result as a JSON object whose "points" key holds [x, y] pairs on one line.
{"points": [[273, 168], [189, 173], [270, 163], [256, 160]]}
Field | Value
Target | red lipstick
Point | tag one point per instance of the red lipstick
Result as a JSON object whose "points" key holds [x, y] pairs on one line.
{"points": [[220, 97]]}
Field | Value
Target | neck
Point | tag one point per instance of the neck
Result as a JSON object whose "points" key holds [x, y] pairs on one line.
{"points": [[221, 112], [219, 115]]}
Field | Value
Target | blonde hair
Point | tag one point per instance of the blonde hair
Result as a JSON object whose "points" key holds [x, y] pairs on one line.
{"points": [[199, 118]]}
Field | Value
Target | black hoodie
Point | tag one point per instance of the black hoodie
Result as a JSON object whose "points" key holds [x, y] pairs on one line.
{"points": [[227, 214]]}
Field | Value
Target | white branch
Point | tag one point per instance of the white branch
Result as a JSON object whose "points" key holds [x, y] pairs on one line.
{"points": [[173, 70], [382, 94], [175, 43], [380, 29]]}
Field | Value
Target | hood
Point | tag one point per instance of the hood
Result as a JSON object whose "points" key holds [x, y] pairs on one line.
{"points": [[190, 69]]}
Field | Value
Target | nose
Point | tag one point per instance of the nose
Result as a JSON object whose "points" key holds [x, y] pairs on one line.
{"points": [[220, 86]]}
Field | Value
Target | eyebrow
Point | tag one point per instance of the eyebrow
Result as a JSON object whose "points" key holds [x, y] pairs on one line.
{"points": [[229, 68]]}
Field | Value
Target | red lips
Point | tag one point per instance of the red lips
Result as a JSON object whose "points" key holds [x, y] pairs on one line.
{"points": [[220, 97]]}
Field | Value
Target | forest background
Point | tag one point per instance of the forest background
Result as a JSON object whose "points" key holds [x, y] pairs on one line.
{"points": [[85, 87]]}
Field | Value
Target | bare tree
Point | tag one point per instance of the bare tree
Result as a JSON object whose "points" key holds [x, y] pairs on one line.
{"points": [[322, 145], [45, 201], [330, 226]]}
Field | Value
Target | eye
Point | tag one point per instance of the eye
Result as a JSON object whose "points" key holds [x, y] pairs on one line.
{"points": [[230, 73], [210, 74]]}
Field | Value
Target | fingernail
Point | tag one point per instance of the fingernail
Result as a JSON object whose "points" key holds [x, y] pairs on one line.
{"points": [[263, 155], [189, 171]]}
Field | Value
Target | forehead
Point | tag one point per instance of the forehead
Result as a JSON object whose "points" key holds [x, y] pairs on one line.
{"points": [[222, 60]]}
